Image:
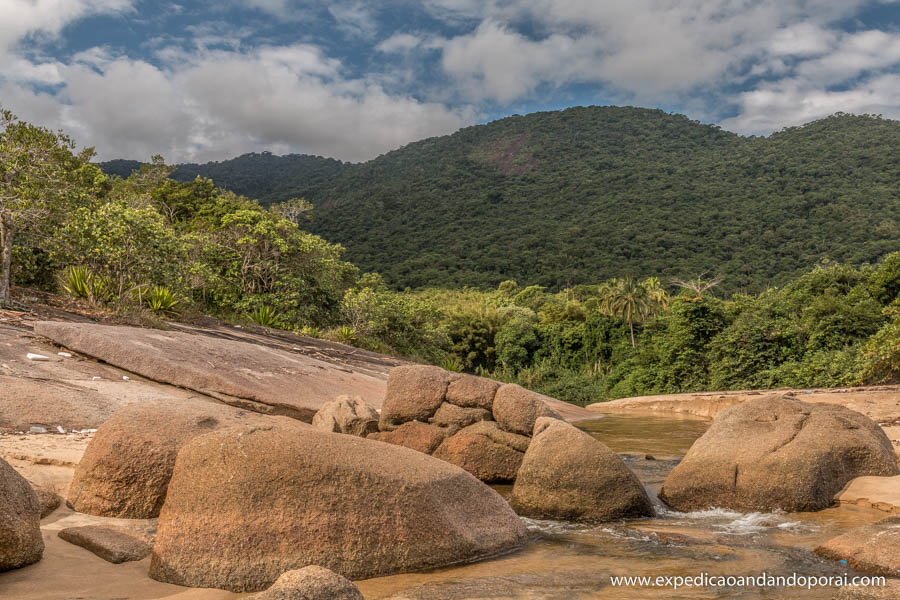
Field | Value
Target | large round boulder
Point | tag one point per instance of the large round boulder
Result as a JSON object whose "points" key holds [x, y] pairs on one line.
{"points": [[414, 393], [481, 456], [568, 475], [516, 409], [777, 453], [246, 504], [347, 415], [310, 583], [872, 549], [126, 467], [20, 521]]}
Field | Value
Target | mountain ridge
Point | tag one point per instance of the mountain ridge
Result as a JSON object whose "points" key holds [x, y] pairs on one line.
{"points": [[579, 195]]}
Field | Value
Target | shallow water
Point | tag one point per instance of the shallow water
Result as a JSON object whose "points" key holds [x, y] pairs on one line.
{"points": [[563, 561]]}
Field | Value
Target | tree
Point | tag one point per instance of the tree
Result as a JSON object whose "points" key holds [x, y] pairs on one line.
{"points": [[628, 299], [294, 210], [38, 173]]}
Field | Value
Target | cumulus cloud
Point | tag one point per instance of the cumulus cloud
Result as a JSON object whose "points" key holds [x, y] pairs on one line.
{"points": [[790, 102], [217, 104], [219, 88]]}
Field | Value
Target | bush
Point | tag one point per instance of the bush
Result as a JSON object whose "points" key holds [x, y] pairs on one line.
{"points": [[161, 300], [81, 282], [266, 316]]}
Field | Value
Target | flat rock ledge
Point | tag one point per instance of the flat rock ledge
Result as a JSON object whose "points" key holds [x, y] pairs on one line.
{"points": [[112, 545], [246, 375], [881, 493], [873, 549]]}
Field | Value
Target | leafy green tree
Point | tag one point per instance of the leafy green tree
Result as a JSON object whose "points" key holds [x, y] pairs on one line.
{"points": [[39, 176], [130, 247]]}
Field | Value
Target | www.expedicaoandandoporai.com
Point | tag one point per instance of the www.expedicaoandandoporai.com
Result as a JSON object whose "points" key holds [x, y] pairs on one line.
{"points": [[763, 580]]}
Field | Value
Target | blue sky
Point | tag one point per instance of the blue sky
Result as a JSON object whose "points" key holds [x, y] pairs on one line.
{"points": [[198, 81]]}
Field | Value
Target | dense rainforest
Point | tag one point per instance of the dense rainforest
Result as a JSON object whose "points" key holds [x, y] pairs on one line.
{"points": [[149, 247], [584, 194]]}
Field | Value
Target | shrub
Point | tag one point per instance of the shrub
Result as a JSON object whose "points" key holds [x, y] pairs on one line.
{"points": [[266, 316], [161, 300], [81, 282]]}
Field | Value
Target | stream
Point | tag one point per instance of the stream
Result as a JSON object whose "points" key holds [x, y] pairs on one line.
{"points": [[567, 561]]}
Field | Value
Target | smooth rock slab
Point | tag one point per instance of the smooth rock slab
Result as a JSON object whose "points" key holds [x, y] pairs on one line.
{"points": [[246, 504], [112, 545], [246, 375], [20, 521], [310, 583], [26, 403], [872, 549]]}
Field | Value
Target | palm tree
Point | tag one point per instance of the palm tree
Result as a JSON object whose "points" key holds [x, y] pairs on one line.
{"points": [[656, 295], [628, 299]]}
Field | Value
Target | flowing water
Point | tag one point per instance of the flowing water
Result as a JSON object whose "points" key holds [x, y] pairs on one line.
{"points": [[563, 561]]}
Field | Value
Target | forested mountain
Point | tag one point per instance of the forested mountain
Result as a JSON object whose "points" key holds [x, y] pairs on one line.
{"points": [[584, 194]]}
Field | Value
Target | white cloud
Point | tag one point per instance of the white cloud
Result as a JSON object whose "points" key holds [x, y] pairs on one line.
{"points": [[791, 102], [217, 104]]}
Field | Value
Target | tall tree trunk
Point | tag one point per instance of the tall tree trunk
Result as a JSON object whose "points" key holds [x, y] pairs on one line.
{"points": [[6, 240], [631, 327]]}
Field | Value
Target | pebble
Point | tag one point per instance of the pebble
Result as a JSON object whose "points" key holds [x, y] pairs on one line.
{"points": [[60, 429], [31, 356], [37, 430], [64, 354], [126, 378]]}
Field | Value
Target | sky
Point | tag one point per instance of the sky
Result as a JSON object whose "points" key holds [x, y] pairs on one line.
{"points": [[208, 80]]}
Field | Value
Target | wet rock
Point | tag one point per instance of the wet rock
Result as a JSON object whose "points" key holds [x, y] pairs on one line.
{"points": [[347, 415], [470, 391], [482, 457], [454, 417], [777, 453], [112, 545], [20, 521], [414, 435], [276, 499], [569, 475], [414, 393], [126, 467], [516, 409], [873, 549], [310, 583]]}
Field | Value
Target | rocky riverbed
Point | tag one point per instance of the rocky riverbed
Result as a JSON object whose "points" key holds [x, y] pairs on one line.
{"points": [[239, 484]]}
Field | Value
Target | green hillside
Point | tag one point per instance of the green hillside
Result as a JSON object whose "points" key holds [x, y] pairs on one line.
{"points": [[584, 194]]}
